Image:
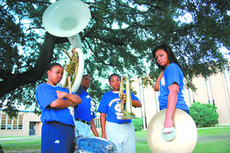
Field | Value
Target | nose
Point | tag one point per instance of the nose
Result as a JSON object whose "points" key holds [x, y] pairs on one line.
{"points": [[158, 59]]}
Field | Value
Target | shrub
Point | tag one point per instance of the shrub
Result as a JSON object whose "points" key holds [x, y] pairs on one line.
{"points": [[204, 115], [138, 124]]}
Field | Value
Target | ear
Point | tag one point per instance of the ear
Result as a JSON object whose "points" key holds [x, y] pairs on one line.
{"points": [[48, 72]]}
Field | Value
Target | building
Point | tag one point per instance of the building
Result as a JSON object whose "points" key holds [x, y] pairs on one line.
{"points": [[26, 123]]}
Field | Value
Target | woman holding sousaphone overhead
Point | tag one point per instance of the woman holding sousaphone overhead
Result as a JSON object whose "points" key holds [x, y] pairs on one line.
{"points": [[120, 131]]}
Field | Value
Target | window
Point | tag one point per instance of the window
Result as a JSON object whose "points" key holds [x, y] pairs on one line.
{"points": [[15, 123], [20, 122], [3, 121], [7, 123]]}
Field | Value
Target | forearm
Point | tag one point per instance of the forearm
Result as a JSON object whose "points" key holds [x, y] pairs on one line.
{"points": [[172, 100], [73, 98], [103, 121], [60, 103], [157, 83], [93, 128]]}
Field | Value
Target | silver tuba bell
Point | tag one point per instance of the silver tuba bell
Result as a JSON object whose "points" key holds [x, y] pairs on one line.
{"points": [[66, 18]]}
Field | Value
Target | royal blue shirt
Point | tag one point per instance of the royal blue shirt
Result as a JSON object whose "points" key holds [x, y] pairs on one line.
{"points": [[110, 104], [45, 95], [85, 110], [172, 74]]}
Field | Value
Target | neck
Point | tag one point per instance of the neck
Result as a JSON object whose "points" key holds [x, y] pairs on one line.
{"points": [[84, 88], [51, 83]]}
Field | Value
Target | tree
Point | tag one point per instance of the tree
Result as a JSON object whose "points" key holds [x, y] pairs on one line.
{"points": [[119, 38]]}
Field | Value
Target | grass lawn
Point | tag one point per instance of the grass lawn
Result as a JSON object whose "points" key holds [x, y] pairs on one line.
{"points": [[210, 140]]}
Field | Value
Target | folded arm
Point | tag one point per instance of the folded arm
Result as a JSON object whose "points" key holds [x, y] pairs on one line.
{"points": [[71, 100]]}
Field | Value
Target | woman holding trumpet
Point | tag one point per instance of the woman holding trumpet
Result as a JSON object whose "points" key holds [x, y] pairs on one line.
{"points": [[120, 131]]}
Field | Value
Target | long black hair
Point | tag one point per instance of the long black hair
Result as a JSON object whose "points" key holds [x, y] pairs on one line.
{"points": [[171, 56]]}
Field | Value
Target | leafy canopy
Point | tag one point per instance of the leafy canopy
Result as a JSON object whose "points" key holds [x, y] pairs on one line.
{"points": [[119, 39]]}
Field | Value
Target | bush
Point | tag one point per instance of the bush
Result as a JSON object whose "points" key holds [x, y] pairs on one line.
{"points": [[204, 115], [138, 124]]}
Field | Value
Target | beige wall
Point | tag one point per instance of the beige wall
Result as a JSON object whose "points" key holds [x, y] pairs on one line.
{"points": [[27, 118]]}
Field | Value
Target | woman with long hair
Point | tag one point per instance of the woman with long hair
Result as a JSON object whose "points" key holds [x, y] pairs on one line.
{"points": [[170, 83]]}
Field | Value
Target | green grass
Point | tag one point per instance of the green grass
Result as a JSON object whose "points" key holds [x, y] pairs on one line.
{"points": [[210, 140], [21, 143], [214, 140]]}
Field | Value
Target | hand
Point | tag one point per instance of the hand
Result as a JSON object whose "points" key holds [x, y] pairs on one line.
{"points": [[168, 124], [123, 100], [104, 135], [61, 94], [73, 50], [168, 130]]}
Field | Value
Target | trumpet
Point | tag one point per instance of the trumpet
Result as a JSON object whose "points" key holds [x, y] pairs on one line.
{"points": [[126, 108]]}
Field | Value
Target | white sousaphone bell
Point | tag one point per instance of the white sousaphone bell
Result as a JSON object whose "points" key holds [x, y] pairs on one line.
{"points": [[66, 18], [185, 137]]}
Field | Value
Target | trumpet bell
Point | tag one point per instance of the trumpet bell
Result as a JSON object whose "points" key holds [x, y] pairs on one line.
{"points": [[66, 18], [185, 133], [129, 115]]}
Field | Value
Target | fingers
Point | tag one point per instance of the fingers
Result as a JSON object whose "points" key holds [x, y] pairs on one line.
{"points": [[168, 130]]}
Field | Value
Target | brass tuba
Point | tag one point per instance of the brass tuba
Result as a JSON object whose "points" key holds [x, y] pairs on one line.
{"points": [[126, 108], [66, 18]]}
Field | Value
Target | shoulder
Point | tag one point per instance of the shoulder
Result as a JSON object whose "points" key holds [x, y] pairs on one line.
{"points": [[173, 65], [172, 68], [107, 94], [62, 89], [44, 85]]}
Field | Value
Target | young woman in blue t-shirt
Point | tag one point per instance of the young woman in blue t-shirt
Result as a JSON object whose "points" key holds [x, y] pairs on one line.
{"points": [[57, 122], [120, 131], [170, 83]]}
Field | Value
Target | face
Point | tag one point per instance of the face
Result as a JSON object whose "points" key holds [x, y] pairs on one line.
{"points": [[162, 57], [115, 83], [55, 75], [85, 83]]}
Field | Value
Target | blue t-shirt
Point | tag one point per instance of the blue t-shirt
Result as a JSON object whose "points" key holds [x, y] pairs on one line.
{"points": [[110, 104], [85, 110], [45, 95], [172, 74]]}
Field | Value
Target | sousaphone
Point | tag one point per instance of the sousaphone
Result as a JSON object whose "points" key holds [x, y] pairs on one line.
{"points": [[183, 141], [66, 18]]}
